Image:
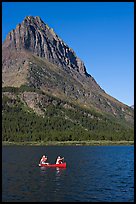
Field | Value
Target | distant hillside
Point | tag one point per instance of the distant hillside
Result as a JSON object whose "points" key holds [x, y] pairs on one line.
{"points": [[32, 115]]}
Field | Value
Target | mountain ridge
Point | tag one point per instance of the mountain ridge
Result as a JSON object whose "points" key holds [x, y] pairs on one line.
{"points": [[49, 65], [41, 41]]}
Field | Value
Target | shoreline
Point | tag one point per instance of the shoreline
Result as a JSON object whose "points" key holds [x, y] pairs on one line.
{"points": [[68, 143]]}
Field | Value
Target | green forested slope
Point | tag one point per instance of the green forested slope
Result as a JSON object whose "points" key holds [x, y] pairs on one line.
{"points": [[61, 121]]}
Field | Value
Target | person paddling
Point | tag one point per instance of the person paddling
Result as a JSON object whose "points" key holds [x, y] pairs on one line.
{"points": [[43, 160], [59, 160]]}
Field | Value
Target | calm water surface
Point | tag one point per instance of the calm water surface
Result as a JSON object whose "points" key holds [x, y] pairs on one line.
{"points": [[93, 173]]}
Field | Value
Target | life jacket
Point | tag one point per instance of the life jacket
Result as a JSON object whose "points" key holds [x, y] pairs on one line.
{"points": [[43, 159], [59, 161]]}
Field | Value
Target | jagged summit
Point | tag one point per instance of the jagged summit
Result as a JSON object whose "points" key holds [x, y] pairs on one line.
{"points": [[35, 20], [36, 36]]}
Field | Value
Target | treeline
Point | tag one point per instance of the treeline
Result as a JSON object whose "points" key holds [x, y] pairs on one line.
{"points": [[20, 123]]}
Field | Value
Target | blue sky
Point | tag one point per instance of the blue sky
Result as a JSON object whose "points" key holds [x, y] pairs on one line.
{"points": [[100, 33]]}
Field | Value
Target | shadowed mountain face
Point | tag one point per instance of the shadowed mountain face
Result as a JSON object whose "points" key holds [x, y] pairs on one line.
{"points": [[35, 56]]}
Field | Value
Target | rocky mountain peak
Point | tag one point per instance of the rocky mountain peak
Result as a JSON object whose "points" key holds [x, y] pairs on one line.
{"points": [[34, 56], [37, 37]]}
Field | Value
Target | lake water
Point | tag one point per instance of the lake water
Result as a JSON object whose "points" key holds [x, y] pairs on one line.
{"points": [[93, 174]]}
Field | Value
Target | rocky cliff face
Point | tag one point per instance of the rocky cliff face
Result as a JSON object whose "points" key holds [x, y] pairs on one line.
{"points": [[34, 55], [34, 35]]}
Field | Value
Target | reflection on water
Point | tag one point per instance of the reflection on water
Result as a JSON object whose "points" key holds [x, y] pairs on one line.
{"points": [[60, 175], [100, 174], [59, 171], [53, 180], [55, 173]]}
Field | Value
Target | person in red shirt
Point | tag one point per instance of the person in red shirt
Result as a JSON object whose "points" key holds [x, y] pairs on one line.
{"points": [[43, 160], [59, 160]]}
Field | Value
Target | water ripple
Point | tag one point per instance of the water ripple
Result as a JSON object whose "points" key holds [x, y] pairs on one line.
{"points": [[93, 174]]}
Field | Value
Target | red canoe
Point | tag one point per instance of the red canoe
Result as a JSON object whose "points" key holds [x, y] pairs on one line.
{"points": [[62, 165]]}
